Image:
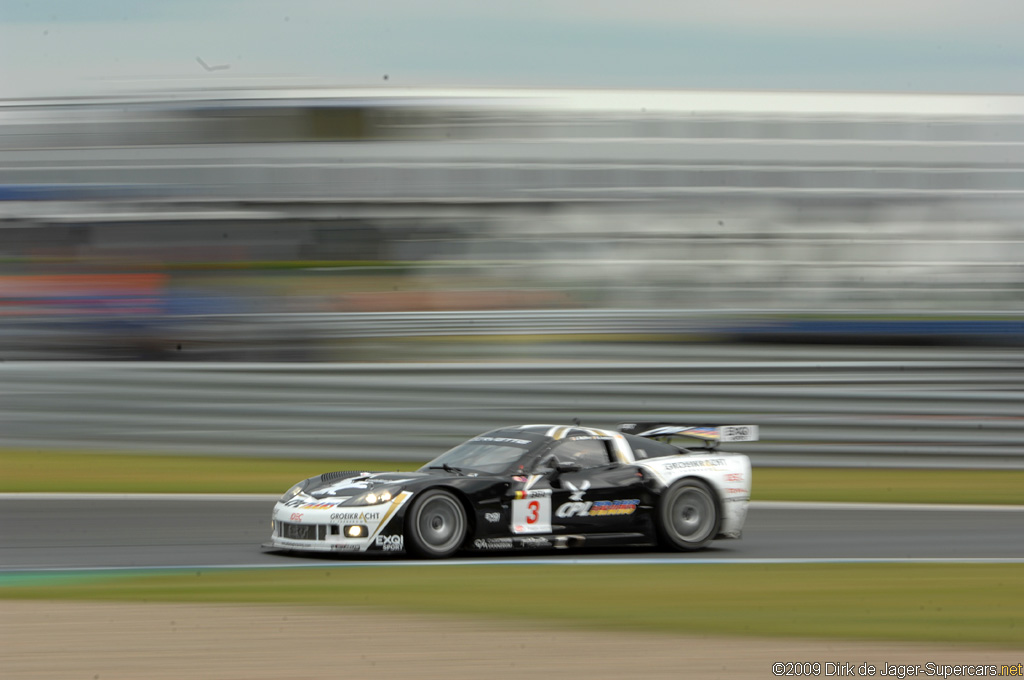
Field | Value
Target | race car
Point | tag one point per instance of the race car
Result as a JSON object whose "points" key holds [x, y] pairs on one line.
{"points": [[532, 487]]}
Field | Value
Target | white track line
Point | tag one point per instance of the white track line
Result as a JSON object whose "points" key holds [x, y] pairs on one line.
{"points": [[534, 561]]}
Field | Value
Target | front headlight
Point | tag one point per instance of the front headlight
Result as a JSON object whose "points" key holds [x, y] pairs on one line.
{"points": [[293, 492], [374, 496]]}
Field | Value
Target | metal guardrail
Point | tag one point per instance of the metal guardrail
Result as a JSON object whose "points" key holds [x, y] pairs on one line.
{"points": [[958, 413]]}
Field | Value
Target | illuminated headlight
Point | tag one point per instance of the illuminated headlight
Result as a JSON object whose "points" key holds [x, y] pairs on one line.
{"points": [[293, 492], [356, 531], [373, 497]]}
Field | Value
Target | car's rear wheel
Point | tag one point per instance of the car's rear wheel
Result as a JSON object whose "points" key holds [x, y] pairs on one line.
{"points": [[436, 525], [688, 517]]}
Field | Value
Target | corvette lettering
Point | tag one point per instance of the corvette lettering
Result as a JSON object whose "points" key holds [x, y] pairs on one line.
{"points": [[597, 508]]}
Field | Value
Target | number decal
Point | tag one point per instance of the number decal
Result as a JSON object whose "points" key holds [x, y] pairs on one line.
{"points": [[534, 514]]}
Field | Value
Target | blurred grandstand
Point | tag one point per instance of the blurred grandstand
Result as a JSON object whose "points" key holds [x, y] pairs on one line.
{"points": [[288, 224]]}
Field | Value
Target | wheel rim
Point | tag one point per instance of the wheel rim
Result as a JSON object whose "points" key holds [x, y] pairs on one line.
{"points": [[692, 515], [441, 524]]}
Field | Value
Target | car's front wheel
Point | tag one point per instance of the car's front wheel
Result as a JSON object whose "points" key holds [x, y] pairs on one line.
{"points": [[436, 525], [688, 517]]}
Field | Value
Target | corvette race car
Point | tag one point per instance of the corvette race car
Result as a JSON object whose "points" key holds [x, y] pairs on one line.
{"points": [[532, 487]]}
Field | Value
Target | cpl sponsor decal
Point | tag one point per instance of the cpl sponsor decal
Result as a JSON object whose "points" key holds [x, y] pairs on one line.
{"points": [[355, 516], [492, 517], [390, 543], [597, 508]]}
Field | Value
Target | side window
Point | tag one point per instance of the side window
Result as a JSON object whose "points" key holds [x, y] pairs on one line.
{"points": [[587, 453], [644, 448]]}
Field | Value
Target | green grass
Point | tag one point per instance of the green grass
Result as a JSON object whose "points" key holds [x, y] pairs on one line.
{"points": [[65, 471], [963, 603], [1000, 487]]}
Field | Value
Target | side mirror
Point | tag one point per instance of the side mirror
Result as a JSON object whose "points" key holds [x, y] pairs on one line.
{"points": [[562, 468]]}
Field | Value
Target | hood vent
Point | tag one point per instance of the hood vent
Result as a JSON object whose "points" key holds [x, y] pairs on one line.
{"points": [[331, 476]]}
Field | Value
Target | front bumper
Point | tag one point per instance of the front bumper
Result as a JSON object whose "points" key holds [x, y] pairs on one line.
{"points": [[321, 526]]}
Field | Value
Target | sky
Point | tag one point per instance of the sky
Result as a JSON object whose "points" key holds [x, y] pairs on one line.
{"points": [[74, 47]]}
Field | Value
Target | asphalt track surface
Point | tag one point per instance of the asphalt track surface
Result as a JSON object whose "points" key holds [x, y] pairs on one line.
{"points": [[59, 532]]}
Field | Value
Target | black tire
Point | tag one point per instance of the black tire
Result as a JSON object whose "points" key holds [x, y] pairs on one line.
{"points": [[435, 526], [688, 517]]}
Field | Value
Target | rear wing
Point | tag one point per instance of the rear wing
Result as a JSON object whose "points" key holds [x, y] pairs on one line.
{"points": [[711, 435]]}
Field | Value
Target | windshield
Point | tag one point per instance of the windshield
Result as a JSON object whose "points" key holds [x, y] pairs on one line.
{"points": [[486, 453]]}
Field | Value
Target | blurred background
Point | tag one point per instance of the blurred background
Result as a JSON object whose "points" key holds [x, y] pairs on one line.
{"points": [[304, 225], [683, 243]]}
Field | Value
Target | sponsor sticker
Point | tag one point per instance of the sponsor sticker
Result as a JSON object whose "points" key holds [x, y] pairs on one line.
{"points": [[503, 440], [739, 433], [345, 547], [511, 543], [597, 508], [355, 516], [390, 543], [531, 512], [703, 463]]}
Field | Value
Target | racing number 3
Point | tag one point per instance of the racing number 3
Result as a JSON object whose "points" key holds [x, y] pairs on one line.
{"points": [[532, 515]]}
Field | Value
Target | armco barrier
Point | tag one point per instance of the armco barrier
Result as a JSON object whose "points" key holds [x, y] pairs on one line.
{"points": [[965, 413]]}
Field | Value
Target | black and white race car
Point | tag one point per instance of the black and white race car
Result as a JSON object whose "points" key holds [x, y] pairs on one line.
{"points": [[532, 487]]}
